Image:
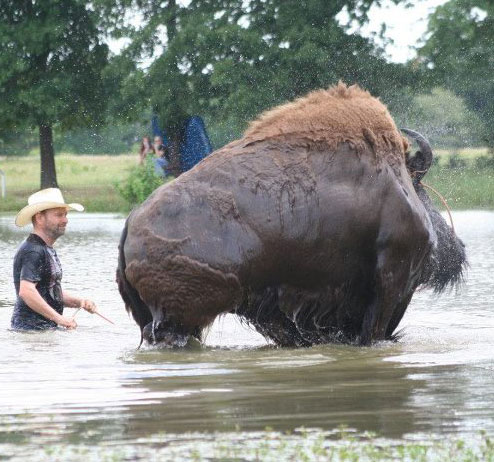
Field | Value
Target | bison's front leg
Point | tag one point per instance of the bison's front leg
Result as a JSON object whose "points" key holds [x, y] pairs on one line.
{"points": [[390, 291], [399, 257]]}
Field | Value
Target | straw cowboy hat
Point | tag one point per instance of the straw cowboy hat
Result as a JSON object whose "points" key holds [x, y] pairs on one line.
{"points": [[45, 199]]}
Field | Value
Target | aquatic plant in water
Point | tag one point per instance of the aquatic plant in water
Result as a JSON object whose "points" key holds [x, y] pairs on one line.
{"points": [[338, 445]]}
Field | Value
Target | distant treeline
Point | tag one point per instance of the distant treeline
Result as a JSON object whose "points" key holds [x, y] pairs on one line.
{"points": [[66, 91], [439, 114]]}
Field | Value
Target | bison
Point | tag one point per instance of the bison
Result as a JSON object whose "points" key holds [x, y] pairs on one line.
{"points": [[314, 228]]}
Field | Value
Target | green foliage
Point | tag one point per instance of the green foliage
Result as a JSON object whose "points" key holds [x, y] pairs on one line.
{"points": [[484, 162], [441, 116], [141, 182], [51, 70], [223, 132], [52, 58], [111, 139], [17, 142], [460, 52], [228, 61]]}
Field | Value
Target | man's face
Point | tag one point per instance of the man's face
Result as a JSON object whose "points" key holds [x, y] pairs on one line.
{"points": [[53, 222]]}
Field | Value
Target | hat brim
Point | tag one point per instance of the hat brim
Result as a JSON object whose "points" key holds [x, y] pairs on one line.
{"points": [[26, 214]]}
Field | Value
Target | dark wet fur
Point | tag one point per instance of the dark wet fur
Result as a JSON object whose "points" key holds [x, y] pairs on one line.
{"points": [[321, 317], [262, 311], [296, 317], [133, 302], [448, 261]]}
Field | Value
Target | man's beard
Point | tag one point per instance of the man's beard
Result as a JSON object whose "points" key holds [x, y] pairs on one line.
{"points": [[56, 232]]}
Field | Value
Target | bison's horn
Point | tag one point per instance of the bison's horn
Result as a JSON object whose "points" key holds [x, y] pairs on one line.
{"points": [[421, 162]]}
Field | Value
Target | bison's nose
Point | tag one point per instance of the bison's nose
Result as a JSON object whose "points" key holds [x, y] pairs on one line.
{"points": [[163, 334]]}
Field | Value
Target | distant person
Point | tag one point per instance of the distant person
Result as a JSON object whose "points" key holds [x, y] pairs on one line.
{"points": [[145, 149], [37, 270], [162, 160], [158, 146]]}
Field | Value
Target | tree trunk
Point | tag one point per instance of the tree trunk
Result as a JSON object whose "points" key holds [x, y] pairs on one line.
{"points": [[175, 125], [48, 171], [171, 22], [174, 167]]}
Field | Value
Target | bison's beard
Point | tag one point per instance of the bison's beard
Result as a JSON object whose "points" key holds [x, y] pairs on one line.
{"points": [[447, 262]]}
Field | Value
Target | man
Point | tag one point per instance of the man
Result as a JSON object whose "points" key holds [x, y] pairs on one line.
{"points": [[161, 161], [37, 270]]}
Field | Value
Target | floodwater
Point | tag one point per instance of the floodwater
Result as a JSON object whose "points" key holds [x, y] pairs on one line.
{"points": [[92, 386]]}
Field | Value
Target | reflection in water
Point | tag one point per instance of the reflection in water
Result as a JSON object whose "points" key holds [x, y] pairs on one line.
{"points": [[92, 385], [323, 387]]}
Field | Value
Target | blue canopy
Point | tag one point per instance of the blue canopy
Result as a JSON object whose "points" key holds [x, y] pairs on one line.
{"points": [[195, 144]]}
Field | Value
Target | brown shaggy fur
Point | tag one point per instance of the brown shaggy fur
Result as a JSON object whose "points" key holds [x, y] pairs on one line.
{"points": [[334, 116]]}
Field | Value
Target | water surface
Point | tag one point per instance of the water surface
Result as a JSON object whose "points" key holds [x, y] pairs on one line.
{"points": [[92, 386]]}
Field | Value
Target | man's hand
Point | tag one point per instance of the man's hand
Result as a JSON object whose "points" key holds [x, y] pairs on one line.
{"points": [[32, 298], [69, 323], [88, 305]]}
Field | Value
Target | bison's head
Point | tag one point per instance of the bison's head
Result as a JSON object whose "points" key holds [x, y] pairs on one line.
{"points": [[418, 164], [448, 259]]}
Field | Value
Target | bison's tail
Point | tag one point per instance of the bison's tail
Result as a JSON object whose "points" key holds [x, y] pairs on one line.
{"points": [[133, 302]]}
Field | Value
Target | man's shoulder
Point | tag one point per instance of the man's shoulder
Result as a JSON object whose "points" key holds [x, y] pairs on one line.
{"points": [[31, 245]]}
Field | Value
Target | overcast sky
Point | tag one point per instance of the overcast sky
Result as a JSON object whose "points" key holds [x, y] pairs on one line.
{"points": [[406, 26]]}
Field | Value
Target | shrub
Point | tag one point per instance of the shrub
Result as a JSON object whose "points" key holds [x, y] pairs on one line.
{"points": [[455, 162], [141, 182], [484, 162]]}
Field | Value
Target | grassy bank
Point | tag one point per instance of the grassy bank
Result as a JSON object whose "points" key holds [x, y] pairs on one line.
{"points": [[463, 189], [91, 180], [86, 179]]}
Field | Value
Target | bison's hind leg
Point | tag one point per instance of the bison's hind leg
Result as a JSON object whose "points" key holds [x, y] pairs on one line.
{"points": [[184, 297]]}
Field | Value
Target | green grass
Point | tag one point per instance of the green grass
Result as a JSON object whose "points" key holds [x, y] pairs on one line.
{"points": [[89, 180], [465, 153], [466, 188]]}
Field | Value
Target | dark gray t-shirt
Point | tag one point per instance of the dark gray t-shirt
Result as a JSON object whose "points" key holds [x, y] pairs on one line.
{"points": [[36, 262]]}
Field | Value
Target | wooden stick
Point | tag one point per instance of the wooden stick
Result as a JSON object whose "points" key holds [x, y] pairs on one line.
{"points": [[78, 309], [106, 319], [99, 314]]}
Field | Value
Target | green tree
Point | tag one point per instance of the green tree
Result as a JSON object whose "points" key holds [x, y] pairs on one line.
{"points": [[229, 60], [51, 66], [442, 116], [460, 52]]}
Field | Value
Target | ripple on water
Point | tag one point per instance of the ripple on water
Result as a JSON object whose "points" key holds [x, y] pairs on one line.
{"points": [[92, 386]]}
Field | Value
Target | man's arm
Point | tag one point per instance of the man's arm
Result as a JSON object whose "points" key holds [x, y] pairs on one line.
{"points": [[75, 302], [32, 298]]}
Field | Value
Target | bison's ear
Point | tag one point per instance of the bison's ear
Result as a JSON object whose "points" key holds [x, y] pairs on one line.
{"points": [[418, 164]]}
